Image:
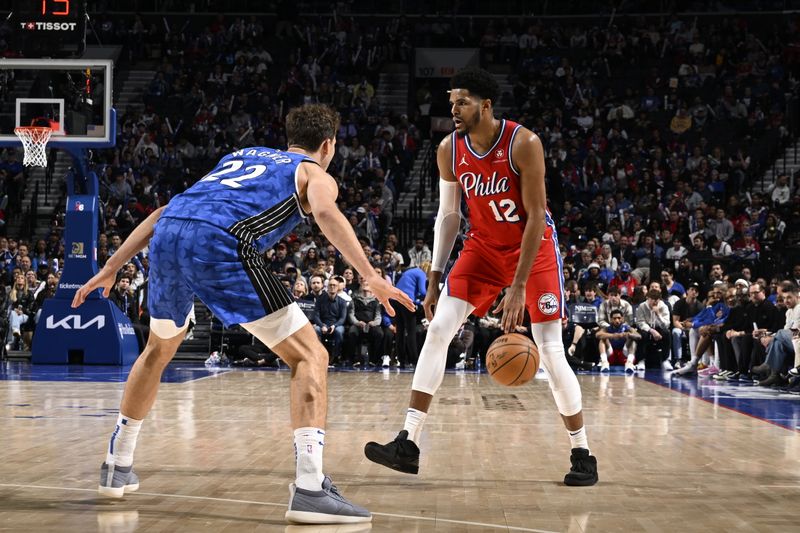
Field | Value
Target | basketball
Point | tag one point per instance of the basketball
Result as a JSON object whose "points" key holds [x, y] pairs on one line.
{"points": [[512, 360]]}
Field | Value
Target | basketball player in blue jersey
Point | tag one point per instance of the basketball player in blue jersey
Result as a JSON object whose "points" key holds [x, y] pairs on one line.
{"points": [[209, 241]]}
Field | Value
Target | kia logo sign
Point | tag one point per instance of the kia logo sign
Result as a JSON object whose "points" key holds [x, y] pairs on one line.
{"points": [[75, 322]]}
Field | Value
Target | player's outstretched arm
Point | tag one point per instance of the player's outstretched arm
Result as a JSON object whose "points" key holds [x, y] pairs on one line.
{"points": [[107, 275], [529, 158], [446, 226], [322, 192]]}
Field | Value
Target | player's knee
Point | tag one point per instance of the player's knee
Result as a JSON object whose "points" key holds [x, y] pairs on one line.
{"points": [[437, 334], [316, 356], [563, 383], [157, 354]]}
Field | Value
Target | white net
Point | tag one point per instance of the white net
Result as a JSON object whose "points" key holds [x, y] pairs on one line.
{"points": [[34, 142]]}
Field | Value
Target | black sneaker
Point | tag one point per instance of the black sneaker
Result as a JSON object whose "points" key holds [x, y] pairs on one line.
{"points": [[401, 454], [761, 370], [772, 381], [584, 469]]}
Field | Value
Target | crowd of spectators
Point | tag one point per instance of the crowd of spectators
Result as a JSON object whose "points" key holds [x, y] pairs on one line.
{"points": [[654, 132]]}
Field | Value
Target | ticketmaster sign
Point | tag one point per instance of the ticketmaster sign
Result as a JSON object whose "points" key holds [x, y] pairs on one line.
{"points": [[444, 62]]}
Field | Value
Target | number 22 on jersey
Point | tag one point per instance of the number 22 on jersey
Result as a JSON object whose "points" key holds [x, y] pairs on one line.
{"points": [[235, 166]]}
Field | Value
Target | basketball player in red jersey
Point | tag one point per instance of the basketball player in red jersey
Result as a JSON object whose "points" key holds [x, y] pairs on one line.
{"points": [[499, 168]]}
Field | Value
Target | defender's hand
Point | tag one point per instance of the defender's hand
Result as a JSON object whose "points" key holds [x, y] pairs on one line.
{"points": [[104, 278], [384, 292]]}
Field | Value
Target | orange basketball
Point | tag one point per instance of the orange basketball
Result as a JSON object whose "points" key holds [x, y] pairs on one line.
{"points": [[512, 360]]}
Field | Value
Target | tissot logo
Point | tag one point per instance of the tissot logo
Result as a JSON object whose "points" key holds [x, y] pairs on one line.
{"points": [[48, 26], [75, 322]]}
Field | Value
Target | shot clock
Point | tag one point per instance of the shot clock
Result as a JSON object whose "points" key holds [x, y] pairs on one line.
{"points": [[49, 28]]}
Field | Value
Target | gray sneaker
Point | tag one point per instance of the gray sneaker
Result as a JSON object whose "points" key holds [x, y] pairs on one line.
{"points": [[117, 480], [685, 370], [324, 506]]}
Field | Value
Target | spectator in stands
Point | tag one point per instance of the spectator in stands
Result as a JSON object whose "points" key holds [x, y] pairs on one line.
{"points": [[780, 193], [727, 368], [613, 302], [648, 256], [653, 322], [584, 316], [364, 317], [716, 274], [419, 254], [683, 312], [720, 250], [669, 285], [781, 344], [721, 227], [280, 259], [17, 319], [330, 314], [746, 250], [316, 284], [597, 277], [617, 343], [343, 294], [413, 282], [127, 300], [676, 253], [624, 281], [301, 297], [706, 323], [607, 261]]}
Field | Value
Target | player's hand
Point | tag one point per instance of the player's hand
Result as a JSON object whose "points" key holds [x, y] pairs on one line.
{"points": [[105, 279], [431, 299], [384, 292], [513, 307]]}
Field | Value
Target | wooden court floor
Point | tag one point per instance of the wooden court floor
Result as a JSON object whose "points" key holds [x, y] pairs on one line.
{"points": [[216, 455]]}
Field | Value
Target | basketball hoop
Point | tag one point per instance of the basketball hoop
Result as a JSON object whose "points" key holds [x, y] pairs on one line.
{"points": [[34, 142]]}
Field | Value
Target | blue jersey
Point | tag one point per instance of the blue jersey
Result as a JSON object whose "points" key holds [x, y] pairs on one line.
{"points": [[618, 344], [251, 193]]}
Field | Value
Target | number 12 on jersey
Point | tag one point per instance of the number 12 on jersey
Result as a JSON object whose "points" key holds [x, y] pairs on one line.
{"points": [[509, 208]]}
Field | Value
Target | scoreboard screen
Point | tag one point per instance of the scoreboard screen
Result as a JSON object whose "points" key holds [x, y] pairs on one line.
{"points": [[49, 28]]}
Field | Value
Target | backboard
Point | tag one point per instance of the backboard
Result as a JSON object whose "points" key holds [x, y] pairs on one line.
{"points": [[73, 96]]}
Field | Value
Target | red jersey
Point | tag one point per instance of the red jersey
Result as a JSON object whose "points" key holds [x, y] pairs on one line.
{"points": [[491, 186], [488, 262]]}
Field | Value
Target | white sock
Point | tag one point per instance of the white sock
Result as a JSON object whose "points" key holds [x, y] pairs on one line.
{"points": [[123, 441], [308, 445], [631, 358], [577, 438], [603, 357], [693, 361], [414, 422]]}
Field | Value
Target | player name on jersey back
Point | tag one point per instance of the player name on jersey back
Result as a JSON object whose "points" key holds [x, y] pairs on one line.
{"points": [[276, 157]]}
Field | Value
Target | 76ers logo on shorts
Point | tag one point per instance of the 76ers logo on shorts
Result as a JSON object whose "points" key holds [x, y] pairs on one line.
{"points": [[548, 303]]}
